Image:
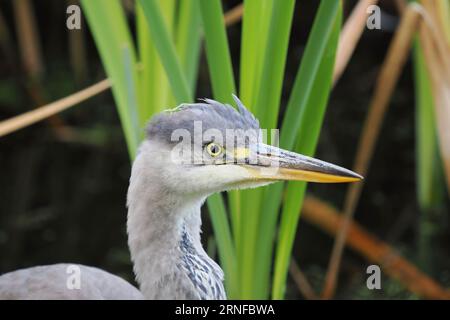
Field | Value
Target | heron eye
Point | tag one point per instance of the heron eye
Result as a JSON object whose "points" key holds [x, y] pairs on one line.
{"points": [[214, 149]]}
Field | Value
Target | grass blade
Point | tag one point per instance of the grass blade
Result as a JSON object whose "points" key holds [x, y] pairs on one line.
{"points": [[308, 135], [130, 90], [427, 152], [154, 86], [166, 50], [188, 40], [266, 102], [298, 111], [111, 34], [269, 91], [180, 88], [147, 69], [255, 27], [217, 50]]}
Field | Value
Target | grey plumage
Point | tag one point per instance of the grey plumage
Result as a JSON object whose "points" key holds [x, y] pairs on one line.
{"points": [[206, 277], [213, 115], [175, 264], [50, 282], [164, 200], [164, 222]]}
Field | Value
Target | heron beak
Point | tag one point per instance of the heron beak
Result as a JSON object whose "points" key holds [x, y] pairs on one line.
{"points": [[272, 163]]}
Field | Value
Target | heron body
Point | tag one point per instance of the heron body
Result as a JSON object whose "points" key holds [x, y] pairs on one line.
{"points": [[169, 183], [50, 283], [164, 235]]}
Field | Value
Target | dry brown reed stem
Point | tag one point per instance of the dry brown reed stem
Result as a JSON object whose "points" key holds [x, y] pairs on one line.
{"points": [[373, 249], [350, 35], [46, 111], [390, 71], [301, 281], [234, 15], [443, 12], [438, 10], [434, 30], [27, 34], [31, 56], [77, 51], [401, 5], [28, 118]]}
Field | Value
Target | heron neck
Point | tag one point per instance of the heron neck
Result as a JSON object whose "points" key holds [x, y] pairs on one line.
{"points": [[156, 222]]}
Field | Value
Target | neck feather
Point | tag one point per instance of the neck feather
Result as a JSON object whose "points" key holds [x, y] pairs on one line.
{"points": [[157, 222]]}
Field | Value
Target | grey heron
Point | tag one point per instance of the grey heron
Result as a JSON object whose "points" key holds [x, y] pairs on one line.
{"points": [[177, 167]]}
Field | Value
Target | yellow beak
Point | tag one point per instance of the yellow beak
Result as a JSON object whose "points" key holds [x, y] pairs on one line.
{"points": [[272, 163]]}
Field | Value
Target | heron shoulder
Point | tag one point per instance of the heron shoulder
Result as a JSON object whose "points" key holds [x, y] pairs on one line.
{"points": [[52, 282]]}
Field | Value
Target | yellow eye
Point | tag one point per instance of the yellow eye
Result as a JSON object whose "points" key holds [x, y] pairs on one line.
{"points": [[214, 149]]}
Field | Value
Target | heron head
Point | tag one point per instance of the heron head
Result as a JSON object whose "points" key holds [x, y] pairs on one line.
{"points": [[209, 147]]}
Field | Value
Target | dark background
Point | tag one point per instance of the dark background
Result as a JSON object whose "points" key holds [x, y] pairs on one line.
{"points": [[64, 181]]}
